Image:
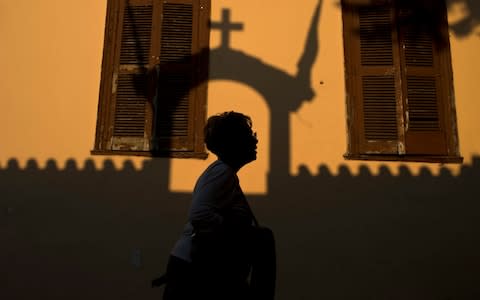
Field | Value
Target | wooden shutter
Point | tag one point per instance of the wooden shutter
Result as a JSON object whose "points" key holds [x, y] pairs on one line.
{"points": [[132, 113], [398, 79], [372, 62], [153, 89], [425, 80], [176, 94]]}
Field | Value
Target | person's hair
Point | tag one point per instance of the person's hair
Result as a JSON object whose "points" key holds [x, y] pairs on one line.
{"points": [[222, 132]]}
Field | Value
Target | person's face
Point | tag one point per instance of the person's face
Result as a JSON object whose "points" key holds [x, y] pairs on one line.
{"points": [[247, 146]]}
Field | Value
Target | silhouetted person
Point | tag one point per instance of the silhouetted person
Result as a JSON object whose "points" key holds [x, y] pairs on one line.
{"points": [[222, 244]]}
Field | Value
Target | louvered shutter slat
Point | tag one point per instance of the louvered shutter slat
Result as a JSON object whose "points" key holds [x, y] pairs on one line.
{"points": [[379, 108], [176, 95], [376, 36], [130, 106], [177, 31], [423, 80], [131, 129], [422, 103], [136, 35], [377, 114]]}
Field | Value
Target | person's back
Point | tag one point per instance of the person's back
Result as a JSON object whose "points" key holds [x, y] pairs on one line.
{"points": [[213, 257]]}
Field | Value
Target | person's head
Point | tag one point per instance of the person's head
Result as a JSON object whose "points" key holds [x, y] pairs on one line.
{"points": [[229, 135]]}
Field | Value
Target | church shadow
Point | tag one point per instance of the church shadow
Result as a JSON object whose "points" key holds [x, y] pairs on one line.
{"points": [[283, 92]]}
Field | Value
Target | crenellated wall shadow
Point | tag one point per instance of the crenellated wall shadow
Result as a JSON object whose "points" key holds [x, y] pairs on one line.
{"points": [[102, 232]]}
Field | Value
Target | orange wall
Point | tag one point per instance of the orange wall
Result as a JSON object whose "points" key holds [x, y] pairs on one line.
{"points": [[70, 223], [50, 82], [52, 51]]}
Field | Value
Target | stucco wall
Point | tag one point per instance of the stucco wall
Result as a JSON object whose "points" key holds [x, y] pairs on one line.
{"points": [[74, 225]]}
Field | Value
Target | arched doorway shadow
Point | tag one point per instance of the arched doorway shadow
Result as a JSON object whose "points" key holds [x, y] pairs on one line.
{"points": [[283, 92], [228, 95]]}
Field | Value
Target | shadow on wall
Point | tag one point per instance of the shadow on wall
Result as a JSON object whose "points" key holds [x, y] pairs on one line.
{"points": [[465, 26], [104, 233], [283, 92], [471, 19]]}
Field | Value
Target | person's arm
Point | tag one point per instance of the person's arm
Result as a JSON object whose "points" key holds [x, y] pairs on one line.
{"points": [[210, 197]]}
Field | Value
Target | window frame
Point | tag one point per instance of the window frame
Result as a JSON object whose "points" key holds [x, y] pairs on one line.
{"points": [[111, 52], [353, 79]]}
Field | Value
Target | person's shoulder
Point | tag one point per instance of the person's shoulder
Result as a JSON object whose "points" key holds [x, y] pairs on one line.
{"points": [[217, 171], [219, 168]]}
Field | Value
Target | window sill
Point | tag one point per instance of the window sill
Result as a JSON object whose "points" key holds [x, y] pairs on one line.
{"points": [[406, 158], [167, 154]]}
